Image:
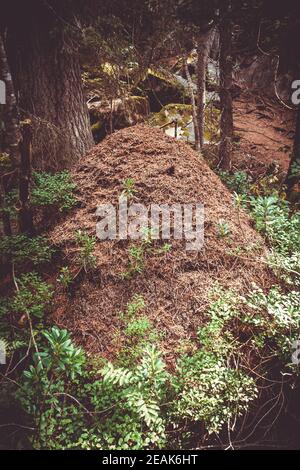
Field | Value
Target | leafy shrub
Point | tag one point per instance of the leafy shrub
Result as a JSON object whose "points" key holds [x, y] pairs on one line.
{"points": [[274, 219], [20, 249], [238, 182], [86, 249], [223, 229], [211, 392], [138, 332], [33, 296], [53, 190], [276, 315], [129, 189], [65, 277]]}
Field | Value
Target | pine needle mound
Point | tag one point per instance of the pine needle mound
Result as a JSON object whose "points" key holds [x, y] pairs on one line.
{"points": [[175, 285]]}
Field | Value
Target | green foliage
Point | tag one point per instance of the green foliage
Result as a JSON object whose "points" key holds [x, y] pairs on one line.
{"points": [[10, 203], [53, 190], [138, 328], [208, 389], [132, 407], [138, 395], [276, 316], [33, 296], [281, 228], [134, 307], [65, 277], [165, 249], [223, 229], [60, 355], [86, 244], [295, 169], [129, 189], [138, 332], [274, 218], [138, 252], [238, 182], [20, 249], [211, 392], [44, 390]]}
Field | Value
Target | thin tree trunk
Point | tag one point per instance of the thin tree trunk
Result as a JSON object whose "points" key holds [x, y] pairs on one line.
{"points": [[293, 177], [46, 73], [10, 140], [204, 44], [194, 107], [25, 214], [226, 69], [10, 112]]}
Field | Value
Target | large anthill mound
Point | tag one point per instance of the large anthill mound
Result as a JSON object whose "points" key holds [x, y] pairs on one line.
{"points": [[175, 285]]}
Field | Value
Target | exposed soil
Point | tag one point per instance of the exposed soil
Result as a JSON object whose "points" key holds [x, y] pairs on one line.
{"points": [[175, 286], [264, 131]]}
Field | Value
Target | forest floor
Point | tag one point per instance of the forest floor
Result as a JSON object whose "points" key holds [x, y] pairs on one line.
{"points": [[264, 131]]}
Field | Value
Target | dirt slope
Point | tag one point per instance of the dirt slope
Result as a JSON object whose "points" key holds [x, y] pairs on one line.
{"points": [[175, 285], [265, 129]]}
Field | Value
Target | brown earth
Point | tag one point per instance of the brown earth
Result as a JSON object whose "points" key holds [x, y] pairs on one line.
{"points": [[265, 132], [175, 286]]}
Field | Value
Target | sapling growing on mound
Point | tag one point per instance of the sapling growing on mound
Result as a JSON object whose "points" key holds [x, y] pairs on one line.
{"points": [[65, 278], [223, 229], [86, 244], [137, 253], [129, 189], [138, 331]]}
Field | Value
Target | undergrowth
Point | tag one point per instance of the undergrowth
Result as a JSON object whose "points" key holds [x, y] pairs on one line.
{"points": [[69, 400]]}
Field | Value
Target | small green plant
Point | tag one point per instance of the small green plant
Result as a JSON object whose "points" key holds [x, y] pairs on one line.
{"points": [[86, 244], [144, 391], [65, 278], [136, 305], [10, 203], [20, 249], [238, 182], [223, 229], [295, 169], [136, 262], [165, 249], [129, 189], [138, 332], [53, 190], [137, 254], [60, 356], [138, 328], [33, 296]]}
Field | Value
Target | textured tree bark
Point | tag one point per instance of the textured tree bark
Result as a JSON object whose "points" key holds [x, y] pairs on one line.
{"points": [[10, 140], [226, 68], [10, 112], [47, 80], [293, 179], [194, 107], [204, 44], [25, 214]]}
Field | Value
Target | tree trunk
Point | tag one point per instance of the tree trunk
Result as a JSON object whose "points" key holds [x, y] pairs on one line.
{"points": [[204, 44], [25, 214], [10, 140], [10, 112], [194, 107], [293, 175], [226, 69], [47, 78]]}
